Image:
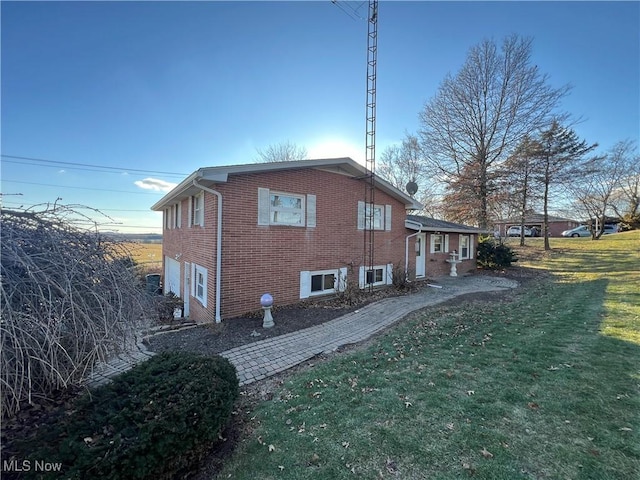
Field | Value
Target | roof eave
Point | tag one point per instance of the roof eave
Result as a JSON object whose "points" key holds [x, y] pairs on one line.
{"points": [[343, 165]]}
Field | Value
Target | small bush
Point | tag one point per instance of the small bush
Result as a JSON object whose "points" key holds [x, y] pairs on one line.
{"points": [[154, 421], [494, 255], [403, 280]]}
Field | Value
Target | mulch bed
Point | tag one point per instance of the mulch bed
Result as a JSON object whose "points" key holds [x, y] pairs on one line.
{"points": [[212, 339]]}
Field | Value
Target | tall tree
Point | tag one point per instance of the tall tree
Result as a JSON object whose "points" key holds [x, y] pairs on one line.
{"points": [[626, 198], [404, 163], [519, 180], [481, 114], [560, 153], [595, 192], [281, 152]]}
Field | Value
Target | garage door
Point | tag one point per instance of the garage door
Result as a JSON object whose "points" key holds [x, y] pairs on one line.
{"points": [[171, 276]]}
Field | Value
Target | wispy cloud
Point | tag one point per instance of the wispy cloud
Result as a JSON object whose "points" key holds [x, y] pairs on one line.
{"points": [[155, 184]]}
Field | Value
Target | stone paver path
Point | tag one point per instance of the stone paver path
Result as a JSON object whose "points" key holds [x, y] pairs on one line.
{"points": [[264, 358], [258, 360]]}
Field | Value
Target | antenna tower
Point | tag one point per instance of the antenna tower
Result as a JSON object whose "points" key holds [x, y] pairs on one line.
{"points": [[370, 156]]}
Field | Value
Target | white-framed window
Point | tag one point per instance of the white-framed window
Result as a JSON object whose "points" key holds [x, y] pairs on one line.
{"points": [[465, 247], [198, 209], [322, 282], [199, 283], [376, 275], [377, 215], [287, 209], [439, 243]]}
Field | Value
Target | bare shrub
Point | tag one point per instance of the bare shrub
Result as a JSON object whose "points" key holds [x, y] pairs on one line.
{"points": [[70, 298]]}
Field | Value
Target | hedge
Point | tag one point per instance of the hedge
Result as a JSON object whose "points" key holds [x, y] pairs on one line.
{"points": [[154, 421]]}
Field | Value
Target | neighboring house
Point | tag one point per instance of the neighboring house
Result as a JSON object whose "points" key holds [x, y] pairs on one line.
{"points": [[292, 229], [557, 225], [433, 242]]}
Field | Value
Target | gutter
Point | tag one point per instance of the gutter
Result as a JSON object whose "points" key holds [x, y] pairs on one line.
{"points": [[218, 244], [406, 246]]}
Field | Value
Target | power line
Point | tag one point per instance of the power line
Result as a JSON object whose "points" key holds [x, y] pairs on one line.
{"points": [[95, 208], [96, 169], [349, 14], [106, 167], [82, 188]]}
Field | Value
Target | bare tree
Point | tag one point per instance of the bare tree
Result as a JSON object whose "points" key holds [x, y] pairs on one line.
{"points": [[404, 163], [70, 298], [480, 115], [560, 154], [595, 192], [625, 200], [281, 152]]}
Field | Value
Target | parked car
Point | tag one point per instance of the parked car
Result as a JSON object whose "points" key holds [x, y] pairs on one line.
{"points": [[514, 231], [610, 229], [581, 231]]}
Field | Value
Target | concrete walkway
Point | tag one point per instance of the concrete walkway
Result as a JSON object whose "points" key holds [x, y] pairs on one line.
{"points": [[258, 360]]}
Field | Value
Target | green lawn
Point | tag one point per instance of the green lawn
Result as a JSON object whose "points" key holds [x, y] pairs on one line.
{"points": [[544, 384]]}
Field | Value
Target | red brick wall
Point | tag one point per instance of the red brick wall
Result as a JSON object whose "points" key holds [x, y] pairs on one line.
{"points": [[436, 264], [258, 259]]}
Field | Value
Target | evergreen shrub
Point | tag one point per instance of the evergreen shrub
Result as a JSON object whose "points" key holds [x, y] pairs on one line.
{"points": [[154, 421], [494, 255]]}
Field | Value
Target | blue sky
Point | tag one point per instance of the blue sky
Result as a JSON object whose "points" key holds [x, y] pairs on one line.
{"points": [[150, 87]]}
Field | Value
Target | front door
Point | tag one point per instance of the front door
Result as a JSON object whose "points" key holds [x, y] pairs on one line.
{"points": [[187, 288], [421, 240], [171, 276]]}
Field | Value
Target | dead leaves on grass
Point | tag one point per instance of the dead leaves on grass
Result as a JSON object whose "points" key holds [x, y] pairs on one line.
{"points": [[486, 453]]}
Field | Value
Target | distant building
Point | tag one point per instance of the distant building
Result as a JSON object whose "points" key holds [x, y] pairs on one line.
{"points": [[557, 225]]}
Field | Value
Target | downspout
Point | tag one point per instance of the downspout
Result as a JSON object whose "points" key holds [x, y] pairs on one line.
{"points": [[406, 246], [218, 245]]}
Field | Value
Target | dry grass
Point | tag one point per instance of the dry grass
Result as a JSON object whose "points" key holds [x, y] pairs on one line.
{"points": [[146, 254]]}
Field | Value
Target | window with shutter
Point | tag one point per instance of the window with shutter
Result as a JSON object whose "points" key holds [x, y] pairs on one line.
{"points": [[288, 209]]}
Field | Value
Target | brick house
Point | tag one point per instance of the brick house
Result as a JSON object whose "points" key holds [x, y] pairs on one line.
{"points": [[433, 242], [292, 229]]}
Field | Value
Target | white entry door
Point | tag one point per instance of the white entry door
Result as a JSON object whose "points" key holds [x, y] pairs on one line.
{"points": [[421, 240], [187, 288], [171, 276]]}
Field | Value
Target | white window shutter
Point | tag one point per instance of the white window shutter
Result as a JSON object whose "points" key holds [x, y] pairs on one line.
{"points": [[432, 248], [389, 274], [360, 215], [190, 222], [179, 218], [387, 217], [361, 277], [201, 220], [471, 243], [263, 206], [311, 210], [305, 284], [446, 243], [342, 280]]}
